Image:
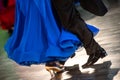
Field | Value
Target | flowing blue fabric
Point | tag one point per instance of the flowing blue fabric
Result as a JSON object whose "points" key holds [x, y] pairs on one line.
{"points": [[37, 38]]}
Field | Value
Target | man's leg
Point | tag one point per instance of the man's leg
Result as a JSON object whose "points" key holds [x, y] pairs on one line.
{"points": [[71, 20]]}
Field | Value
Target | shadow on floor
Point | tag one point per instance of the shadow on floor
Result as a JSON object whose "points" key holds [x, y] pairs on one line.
{"points": [[102, 72]]}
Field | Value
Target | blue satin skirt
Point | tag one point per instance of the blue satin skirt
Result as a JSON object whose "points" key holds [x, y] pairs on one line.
{"points": [[37, 38]]}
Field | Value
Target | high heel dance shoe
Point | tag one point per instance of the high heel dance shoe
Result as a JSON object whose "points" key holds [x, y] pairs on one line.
{"points": [[55, 69]]}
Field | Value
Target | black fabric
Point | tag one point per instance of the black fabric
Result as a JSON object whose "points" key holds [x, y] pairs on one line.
{"points": [[96, 7], [71, 20], [5, 3]]}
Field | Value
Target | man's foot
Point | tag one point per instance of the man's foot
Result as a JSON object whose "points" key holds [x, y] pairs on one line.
{"points": [[95, 57], [88, 63]]}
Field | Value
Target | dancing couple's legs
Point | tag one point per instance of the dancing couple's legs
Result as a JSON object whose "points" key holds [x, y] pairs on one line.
{"points": [[71, 20]]}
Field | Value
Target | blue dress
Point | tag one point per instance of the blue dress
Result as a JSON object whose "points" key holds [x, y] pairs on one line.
{"points": [[37, 38]]}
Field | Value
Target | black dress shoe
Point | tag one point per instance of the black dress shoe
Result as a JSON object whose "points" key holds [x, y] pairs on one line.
{"points": [[88, 63], [101, 53]]}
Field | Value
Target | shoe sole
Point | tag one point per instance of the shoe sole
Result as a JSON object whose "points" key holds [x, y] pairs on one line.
{"points": [[90, 64], [56, 69]]}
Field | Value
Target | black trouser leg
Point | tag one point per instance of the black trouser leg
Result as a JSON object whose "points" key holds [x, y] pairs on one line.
{"points": [[5, 3], [71, 20]]}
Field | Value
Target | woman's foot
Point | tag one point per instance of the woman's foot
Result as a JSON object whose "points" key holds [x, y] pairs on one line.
{"points": [[55, 69]]}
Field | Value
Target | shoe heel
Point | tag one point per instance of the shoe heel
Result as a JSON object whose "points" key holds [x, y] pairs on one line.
{"points": [[55, 72], [52, 73]]}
